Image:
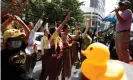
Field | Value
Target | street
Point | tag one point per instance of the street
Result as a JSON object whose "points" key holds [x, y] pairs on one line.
{"points": [[37, 71], [75, 72]]}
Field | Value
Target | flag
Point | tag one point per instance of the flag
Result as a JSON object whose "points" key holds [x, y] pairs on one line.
{"points": [[46, 26], [38, 24]]}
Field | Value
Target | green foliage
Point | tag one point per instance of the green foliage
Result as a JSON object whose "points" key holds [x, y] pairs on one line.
{"points": [[54, 11]]}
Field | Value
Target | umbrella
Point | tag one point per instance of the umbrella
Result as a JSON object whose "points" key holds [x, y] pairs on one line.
{"points": [[112, 18]]}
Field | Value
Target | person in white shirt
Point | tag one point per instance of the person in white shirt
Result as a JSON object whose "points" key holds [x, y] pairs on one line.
{"points": [[31, 52]]}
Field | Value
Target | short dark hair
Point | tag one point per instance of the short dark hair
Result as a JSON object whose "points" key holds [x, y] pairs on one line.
{"points": [[65, 27], [125, 2], [52, 30]]}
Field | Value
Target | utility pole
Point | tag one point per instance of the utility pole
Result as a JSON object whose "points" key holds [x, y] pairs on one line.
{"points": [[95, 20]]}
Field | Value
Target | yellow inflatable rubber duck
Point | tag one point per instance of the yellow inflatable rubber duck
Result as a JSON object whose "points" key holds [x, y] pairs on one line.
{"points": [[97, 65]]}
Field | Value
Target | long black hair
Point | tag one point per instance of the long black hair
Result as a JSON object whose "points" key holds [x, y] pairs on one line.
{"points": [[49, 35], [52, 30]]}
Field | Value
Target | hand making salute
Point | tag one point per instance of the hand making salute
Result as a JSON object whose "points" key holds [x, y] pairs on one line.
{"points": [[52, 52]]}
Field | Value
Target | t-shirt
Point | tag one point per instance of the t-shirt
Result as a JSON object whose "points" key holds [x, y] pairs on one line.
{"points": [[45, 44], [127, 16], [6, 54], [9, 71]]}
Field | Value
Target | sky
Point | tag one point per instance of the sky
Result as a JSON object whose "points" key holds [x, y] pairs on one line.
{"points": [[110, 6]]}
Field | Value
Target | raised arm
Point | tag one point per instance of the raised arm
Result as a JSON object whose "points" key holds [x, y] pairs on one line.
{"points": [[87, 27], [21, 8], [6, 23], [25, 27], [60, 27], [6, 11], [55, 35]]}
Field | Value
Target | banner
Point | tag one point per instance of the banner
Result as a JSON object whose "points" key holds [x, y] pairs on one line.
{"points": [[38, 25], [46, 26]]}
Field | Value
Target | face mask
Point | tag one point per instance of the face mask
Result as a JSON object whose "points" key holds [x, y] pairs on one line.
{"points": [[16, 44]]}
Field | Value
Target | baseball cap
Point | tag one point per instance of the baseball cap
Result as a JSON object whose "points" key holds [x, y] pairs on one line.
{"points": [[126, 2]]}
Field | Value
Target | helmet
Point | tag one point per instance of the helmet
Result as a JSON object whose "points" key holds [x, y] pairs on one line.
{"points": [[12, 33]]}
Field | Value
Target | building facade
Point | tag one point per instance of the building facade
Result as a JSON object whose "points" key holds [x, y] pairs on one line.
{"points": [[95, 9]]}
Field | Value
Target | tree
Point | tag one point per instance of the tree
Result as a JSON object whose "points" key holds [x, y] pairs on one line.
{"points": [[53, 11], [74, 7]]}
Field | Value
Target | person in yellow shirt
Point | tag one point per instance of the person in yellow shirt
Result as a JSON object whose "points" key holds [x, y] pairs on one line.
{"points": [[45, 47], [53, 53]]}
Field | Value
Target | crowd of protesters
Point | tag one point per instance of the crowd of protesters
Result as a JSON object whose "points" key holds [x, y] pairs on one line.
{"points": [[59, 49]]}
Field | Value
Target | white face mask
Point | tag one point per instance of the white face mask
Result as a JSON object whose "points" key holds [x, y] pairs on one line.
{"points": [[16, 44]]}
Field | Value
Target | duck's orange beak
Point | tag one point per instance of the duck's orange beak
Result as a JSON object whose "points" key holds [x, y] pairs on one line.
{"points": [[83, 52]]}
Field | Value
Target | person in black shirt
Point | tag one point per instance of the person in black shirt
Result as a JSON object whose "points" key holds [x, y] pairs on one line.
{"points": [[14, 43]]}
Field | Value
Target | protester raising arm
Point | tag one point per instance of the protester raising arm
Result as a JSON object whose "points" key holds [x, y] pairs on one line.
{"points": [[5, 25], [10, 19], [57, 32], [25, 27], [21, 8], [87, 27], [6, 11], [63, 23]]}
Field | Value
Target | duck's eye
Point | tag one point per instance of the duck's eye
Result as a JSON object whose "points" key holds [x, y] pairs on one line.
{"points": [[91, 48]]}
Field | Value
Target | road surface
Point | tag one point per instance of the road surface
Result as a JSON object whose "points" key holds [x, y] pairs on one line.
{"points": [[37, 71]]}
